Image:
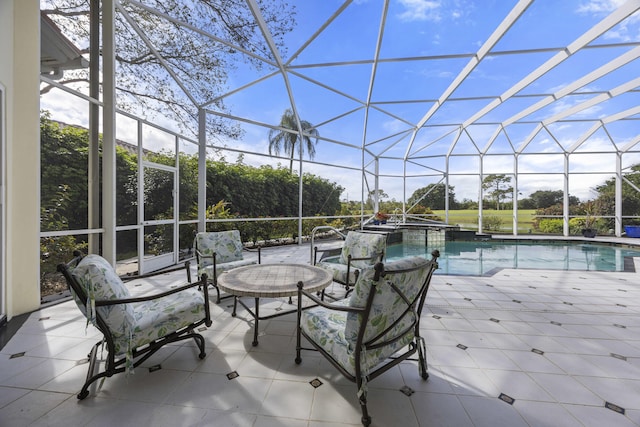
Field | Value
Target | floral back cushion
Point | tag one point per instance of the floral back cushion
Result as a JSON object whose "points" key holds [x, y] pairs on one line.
{"points": [[363, 245], [227, 246], [388, 305], [100, 282]]}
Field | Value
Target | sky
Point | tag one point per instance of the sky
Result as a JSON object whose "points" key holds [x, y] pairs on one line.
{"points": [[425, 46]]}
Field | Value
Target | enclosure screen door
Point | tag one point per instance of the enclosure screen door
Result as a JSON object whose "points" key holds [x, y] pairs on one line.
{"points": [[159, 221]]}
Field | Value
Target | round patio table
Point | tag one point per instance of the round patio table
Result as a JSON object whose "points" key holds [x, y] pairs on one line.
{"points": [[271, 281]]}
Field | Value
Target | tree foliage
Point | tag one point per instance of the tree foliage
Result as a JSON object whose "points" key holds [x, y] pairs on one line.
{"points": [[287, 138], [54, 250], [235, 190], [200, 63], [630, 195], [541, 199], [64, 164], [498, 188], [433, 197]]}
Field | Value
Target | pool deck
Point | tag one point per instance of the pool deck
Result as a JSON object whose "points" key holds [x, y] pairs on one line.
{"points": [[519, 348]]}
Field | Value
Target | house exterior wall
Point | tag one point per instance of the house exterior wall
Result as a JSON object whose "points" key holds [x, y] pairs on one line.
{"points": [[19, 76]]}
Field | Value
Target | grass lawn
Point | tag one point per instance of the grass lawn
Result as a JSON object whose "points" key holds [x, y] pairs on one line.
{"points": [[468, 219]]}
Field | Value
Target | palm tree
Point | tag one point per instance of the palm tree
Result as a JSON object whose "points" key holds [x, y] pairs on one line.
{"points": [[286, 141]]}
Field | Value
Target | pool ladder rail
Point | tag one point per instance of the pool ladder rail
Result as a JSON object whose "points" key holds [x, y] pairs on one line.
{"points": [[326, 228]]}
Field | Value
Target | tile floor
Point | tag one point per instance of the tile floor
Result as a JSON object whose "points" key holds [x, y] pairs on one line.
{"points": [[520, 348]]}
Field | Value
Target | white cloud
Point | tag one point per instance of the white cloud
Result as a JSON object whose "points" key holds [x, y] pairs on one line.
{"points": [[421, 10], [394, 126], [600, 6], [627, 31]]}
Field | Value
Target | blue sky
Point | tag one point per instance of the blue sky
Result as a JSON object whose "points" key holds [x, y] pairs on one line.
{"points": [[447, 30], [425, 45]]}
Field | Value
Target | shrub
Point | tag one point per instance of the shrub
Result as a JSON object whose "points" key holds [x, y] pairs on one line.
{"points": [[550, 226], [491, 222]]}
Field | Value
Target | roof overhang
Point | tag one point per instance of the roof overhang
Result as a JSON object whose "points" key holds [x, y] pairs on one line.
{"points": [[57, 53]]}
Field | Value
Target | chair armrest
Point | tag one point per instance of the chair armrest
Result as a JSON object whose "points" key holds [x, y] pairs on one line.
{"points": [[213, 255], [366, 258], [202, 282], [201, 255], [379, 257], [258, 249], [325, 253], [324, 304], [128, 278]]}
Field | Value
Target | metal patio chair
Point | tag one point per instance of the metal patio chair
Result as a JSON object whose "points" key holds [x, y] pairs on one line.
{"points": [[133, 328], [375, 328], [219, 251], [360, 250]]}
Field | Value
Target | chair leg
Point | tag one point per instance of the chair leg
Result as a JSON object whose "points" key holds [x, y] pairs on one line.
{"points": [[199, 339], [84, 392], [298, 333], [422, 359], [362, 398]]}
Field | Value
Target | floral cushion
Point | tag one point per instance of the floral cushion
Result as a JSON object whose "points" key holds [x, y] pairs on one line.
{"points": [[156, 318], [338, 270], [100, 282], [336, 331], [136, 324], [363, 245], [326, 327], [225, 244]]}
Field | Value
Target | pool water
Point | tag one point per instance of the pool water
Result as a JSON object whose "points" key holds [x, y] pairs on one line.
{"points": [[477, 258]]}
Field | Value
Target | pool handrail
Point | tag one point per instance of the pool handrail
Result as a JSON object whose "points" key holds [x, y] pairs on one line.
{"points": [[323, 227]]}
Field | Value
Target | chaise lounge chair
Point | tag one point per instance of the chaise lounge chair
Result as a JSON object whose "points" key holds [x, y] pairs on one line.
{"points": [[133, 328]]}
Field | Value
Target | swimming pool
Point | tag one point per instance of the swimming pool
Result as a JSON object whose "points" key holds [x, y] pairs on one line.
{"points": [[477, 258]]}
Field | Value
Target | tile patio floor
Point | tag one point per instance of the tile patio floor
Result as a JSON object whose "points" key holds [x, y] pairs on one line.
{"points": [[520, 348]]}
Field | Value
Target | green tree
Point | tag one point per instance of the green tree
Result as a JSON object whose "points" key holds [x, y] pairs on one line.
{"points": [[630, 196], [286, 137], [371, 197], [498, 186], [54, 250], [127, 183], [433, 197], [64, 164], [247, 191], [546, 198], [319, 196]]}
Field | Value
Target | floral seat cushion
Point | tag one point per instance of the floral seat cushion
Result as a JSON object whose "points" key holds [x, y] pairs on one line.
{"points": [[136, 324], [336, 331], [358, 245], [154, 319], [338, 270]]}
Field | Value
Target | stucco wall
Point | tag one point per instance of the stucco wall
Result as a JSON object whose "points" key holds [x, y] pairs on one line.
{"points": [[19, 74]]}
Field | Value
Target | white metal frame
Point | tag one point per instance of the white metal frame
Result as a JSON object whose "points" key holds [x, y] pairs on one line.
{"points": [[3, 213], [420, 154]]}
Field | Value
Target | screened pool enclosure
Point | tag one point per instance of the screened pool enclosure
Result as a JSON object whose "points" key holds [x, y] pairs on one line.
{"points": [[399, 96]]}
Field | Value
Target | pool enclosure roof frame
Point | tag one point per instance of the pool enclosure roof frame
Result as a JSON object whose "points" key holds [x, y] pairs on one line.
{"points": [[418, 139]]}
